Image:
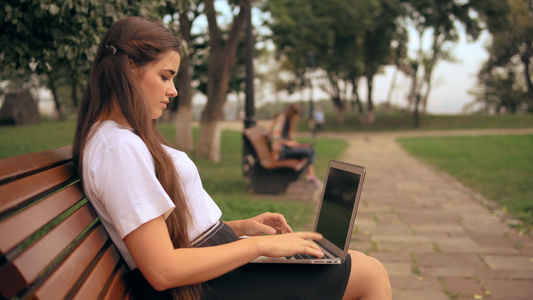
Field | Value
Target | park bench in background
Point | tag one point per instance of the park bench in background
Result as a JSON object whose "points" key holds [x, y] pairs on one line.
{"points": [[267, 175], [52, 243]]}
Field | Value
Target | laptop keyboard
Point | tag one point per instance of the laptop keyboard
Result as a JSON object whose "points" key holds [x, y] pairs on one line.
{"points": [[306, 256]]}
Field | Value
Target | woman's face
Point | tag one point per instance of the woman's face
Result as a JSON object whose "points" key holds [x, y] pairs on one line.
{"points": [[156, 81], [295, 115]]}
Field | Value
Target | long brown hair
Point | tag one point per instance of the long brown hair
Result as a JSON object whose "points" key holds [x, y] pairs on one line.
{"points": [[290, 122], [113, 84]]}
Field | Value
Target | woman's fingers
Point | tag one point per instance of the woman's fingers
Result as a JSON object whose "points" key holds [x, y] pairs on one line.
{"points": [[274, 220], [293, 243]]}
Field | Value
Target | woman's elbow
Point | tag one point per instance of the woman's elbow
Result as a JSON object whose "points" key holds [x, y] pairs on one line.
{"points": [[158, 283], [160, 280]]}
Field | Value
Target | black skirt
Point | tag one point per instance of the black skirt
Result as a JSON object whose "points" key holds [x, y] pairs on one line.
{"points": [[273, 281]]}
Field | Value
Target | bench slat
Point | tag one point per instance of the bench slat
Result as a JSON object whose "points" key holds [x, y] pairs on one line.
{"points": [[20, 226], [258, 138], [99, 275], [61, 281], [52, 245], [40, 254], [117, 287], [289, 163], [17, 192], [17, 166]]}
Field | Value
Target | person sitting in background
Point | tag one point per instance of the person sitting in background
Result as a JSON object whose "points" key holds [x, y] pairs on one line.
{"points": [[284, 145], [318, 120]]}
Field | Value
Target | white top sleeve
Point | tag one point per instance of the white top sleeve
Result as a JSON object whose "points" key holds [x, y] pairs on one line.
{"points": [[119, 180]]}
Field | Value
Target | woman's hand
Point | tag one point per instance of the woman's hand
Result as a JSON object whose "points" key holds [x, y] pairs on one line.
{"points": [[266, 223], [295, 144], [291, 143], [290, 244]]}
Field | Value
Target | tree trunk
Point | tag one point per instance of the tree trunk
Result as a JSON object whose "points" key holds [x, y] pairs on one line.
{"points": [[417, 113], [74, 91], [371, 117], [183, 118], [357, 99], [340, 114], [222, 59], [335, 98], [429, 67], [527, 77], [53, 89], [184, 135], [414, 89], [391, 89], [209, 142], [212, 114], [426, 94], [182, 109]]}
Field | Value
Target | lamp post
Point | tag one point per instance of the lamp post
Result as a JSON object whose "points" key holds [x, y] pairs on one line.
{"points": [[249, 109], [249, 120], [310, 62]]}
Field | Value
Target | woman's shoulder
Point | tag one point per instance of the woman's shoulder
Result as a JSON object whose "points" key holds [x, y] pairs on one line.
{"points": [[109, 134]]}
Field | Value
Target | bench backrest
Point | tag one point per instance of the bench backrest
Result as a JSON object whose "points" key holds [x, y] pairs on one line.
{"points": [[52, 243], [258, 138]]}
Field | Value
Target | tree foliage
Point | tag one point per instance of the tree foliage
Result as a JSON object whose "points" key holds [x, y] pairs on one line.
{"points": [[339, 41], [505, 78], [441, 20], [59, 39], [325, 35], [354, 39]]}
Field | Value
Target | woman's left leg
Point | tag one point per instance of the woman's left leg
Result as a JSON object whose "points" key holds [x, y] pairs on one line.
{"points": [[309, 153], [368, 279]]}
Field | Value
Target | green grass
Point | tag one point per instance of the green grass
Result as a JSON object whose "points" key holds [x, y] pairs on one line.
{"points": [[223, 181], [498, 167], [16, 140], [401, 121]]}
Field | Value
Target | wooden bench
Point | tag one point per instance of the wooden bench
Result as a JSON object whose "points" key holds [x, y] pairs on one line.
{"points": [[268, 175], [52, 243]]}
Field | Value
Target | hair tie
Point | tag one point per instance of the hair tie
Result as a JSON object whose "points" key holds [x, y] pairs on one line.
{"points": [[110, 48]]}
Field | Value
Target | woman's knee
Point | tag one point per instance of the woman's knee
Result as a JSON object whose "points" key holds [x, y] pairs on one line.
{"points": [[371, 264], [368, 277]]}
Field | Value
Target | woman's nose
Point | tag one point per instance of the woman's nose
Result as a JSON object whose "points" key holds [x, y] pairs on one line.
{"points": [[172, 92]]}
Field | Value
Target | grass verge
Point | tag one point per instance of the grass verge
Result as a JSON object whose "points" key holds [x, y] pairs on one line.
{"points": [[401, 121], [498, 167], [223, 181]]}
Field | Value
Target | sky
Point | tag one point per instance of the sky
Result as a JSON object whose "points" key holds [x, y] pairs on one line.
{"points": [[451, 80]]}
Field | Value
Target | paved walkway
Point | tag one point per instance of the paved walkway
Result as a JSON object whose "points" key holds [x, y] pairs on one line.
{"points": [[438, 239]]}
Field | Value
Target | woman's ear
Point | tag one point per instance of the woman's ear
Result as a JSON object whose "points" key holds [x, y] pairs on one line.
{"points": [[134, 68]]}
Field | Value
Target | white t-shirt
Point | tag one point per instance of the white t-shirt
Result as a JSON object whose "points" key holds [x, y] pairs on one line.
{"points": [[119, 180]]}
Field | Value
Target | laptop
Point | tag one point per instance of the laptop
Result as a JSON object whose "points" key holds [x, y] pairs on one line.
{"points": [[335, 218]]}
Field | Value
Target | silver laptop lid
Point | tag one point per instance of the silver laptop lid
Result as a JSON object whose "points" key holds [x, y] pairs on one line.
{"points": [[337, 210]]}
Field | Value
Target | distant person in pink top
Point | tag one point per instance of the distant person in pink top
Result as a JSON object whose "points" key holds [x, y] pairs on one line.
{"points": [[284, 144]]}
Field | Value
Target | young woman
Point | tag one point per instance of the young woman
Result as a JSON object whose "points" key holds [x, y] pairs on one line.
{"points": [[151, 200], [284, 144]]}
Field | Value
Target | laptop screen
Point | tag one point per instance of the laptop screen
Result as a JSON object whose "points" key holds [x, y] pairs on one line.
{"points": [[337, 205]]}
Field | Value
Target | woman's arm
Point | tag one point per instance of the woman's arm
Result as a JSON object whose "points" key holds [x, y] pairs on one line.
{"points": [[165, 267], [266, 223]]}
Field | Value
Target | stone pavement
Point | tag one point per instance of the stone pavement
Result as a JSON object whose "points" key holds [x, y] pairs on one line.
{"points": [[437, 239]]}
